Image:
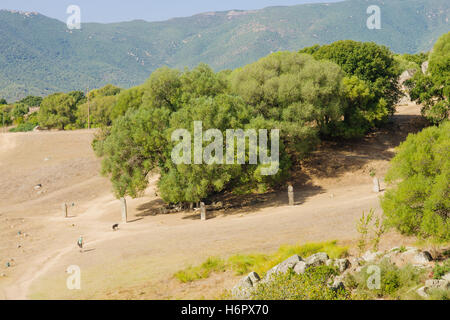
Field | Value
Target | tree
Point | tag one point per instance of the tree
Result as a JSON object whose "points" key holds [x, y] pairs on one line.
{"points": [[19, 111], [135, 146], [419, 202], [295, 91], [100, 110], [57, 111], [108, 90], [3, 101], [140, 141], [371, 63], [31, 101], [127, 99], [433, 89]]}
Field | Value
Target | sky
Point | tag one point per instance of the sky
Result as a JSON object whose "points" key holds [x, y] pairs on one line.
{"points": [[105, 11]]}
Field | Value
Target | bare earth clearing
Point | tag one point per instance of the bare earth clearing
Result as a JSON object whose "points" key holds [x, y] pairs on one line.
{"points": [[138, 261]]}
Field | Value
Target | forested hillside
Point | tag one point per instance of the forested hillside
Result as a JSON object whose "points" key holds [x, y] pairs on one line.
{"points": [[39, 55]]}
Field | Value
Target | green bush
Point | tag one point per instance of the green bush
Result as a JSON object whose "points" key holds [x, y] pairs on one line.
{"points": [[312, 285], [441, 269], [419, 202], [395, 282]]}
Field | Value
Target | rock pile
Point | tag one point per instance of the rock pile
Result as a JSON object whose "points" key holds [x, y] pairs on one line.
{"points": [[397, 256]]}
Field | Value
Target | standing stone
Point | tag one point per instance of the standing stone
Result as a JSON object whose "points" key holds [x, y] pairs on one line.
{"points": [[124, 210], [291, 195], [376, 185], [64, 209], [424, 67], [202, 211]]}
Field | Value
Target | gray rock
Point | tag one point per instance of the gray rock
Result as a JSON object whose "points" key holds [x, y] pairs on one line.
{"points": [[421, 292], [289, 263], [283, 267], [423, 257], [245, 286], [437, 284], [370, 256], [446, 277], [317, 259], [300, 267], [342, 264], [338, 284]]}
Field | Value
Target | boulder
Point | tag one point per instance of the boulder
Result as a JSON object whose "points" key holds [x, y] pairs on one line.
{"points": [[317, 259], [437, 284], [283, 267], [421, 292], [300, 267], [433, 284], [338, 284], [370, 256], [342, 264], [423, 257], [244, 287], [289, 264], [446, 277]]}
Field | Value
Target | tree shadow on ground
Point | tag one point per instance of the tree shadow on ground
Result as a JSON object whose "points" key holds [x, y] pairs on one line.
{"points": [[332, 159]]}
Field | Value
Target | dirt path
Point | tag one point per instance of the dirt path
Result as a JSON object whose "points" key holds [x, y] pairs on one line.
{"points": [[148, 250]]}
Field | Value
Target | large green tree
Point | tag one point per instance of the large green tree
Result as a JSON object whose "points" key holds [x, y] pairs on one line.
{"points": [[57, 111], [378, 72], [301, 95], [97, 110]]}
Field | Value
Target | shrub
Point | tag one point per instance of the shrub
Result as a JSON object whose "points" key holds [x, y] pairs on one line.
{"points": [[419, 203], [441, 269], [312, 285], [395, 283]]}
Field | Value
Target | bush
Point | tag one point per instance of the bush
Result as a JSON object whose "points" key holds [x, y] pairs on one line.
{"points": [[419, 203], [395, 283], [261, 263], [441, 270], [312, 285]]}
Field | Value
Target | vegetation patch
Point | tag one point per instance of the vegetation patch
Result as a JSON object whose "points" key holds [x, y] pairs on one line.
{"points": [[395, 283], [244, 263], [312, 285]]}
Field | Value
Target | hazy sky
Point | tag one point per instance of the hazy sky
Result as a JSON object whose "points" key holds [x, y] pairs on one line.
{"points": [[150, 10]]}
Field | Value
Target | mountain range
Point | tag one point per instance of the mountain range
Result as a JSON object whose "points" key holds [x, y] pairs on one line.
{"points": [[40, 55]]}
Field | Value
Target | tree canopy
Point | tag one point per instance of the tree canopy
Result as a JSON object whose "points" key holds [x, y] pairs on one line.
{"points": [[377, 71]]}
